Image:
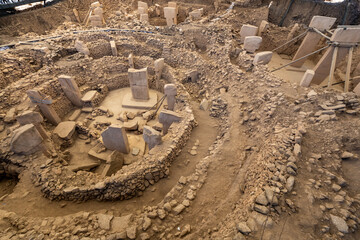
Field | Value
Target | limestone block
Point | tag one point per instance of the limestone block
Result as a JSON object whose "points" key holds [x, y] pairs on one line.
{"points": [[170, 92], [65, 130], [96, 21], [263, 57], [144, 18], [247, 30], [173, 5], [322, 23], [143, 5], [252, 43], [138, 79], [25, 139], [192, 76], [195, 15], [151, 137], [89, 96], [28, 117], [115, 138], [99, 12], [81, 47], [170, 15], [263, 27], [159, 64], [141, 10], [113, 48], [307, 78], [71, 89], [167, 117]]}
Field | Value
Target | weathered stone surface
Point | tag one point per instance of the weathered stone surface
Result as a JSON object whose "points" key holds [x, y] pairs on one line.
{"points": [[204, 105], [89, 96], [151, 137], [170, 15], [243, 228], [247, 30], [290, 183], [71, 89], [120, 224], [252, 43], [65, 130], [167, 117], [178, 209], [261, 199], [146, 223], [170, 92], [131, 232], [138, 79], [115, 138], [104, 221], [307, 78], [81, 47], [44, 103], [263, 57], [131, 125], [10, 115], [28, 117], [25, 139], [113, 48], [261, 209], [339, 223]]}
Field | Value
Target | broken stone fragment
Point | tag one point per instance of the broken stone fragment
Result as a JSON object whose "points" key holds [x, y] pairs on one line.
{"points": [[178, 209], [263, 57], [261, 199], [243, 228], [81, 47], [347, 155], [204, 105], [131, 125], [151, 137], [65, 130], [339, 223], [25, 139], [167, 117], [104, 221], [131, 232], [10, 115], [252, 43], [261, 209]]}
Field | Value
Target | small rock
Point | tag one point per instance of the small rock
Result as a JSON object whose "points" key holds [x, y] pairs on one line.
{"points": [[131, 232], [261, 199], [261, 209], [243, 228], [339, 223], [178, 209]]}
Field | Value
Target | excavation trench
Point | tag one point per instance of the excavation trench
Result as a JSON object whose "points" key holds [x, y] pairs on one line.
{"points": [[35, 205]]}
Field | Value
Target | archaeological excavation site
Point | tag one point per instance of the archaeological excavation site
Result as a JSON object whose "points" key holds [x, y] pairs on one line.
{"points": [[203, 119]]}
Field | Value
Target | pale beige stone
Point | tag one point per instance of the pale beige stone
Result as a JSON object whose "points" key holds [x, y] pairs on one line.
{"points": [[247, 30]]}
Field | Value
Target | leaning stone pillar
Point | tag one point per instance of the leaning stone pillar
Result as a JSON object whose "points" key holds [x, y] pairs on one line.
{"points": [[71, 90], [170, 92], [44, 103]]}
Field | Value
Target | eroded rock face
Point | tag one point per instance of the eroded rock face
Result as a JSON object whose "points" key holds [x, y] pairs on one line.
{"points": [[25, 140], [115, 138]]}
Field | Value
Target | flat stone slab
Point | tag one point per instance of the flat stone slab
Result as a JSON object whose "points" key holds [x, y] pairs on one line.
{"points": [[85, 166], [89, 96], [65, 130], [98, 154], [130, 102]]}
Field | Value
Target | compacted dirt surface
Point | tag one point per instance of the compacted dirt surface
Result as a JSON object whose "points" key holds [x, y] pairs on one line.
{"points": [[251, 155]]}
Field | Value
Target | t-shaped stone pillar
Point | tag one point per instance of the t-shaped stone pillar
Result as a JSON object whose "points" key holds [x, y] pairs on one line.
{"points": [[115, 138], [44, 103], [35, 118], [170, 92], [71, 90], [151, 137], [159, 65], [167, 117], [170, 15], [139, 83]]}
